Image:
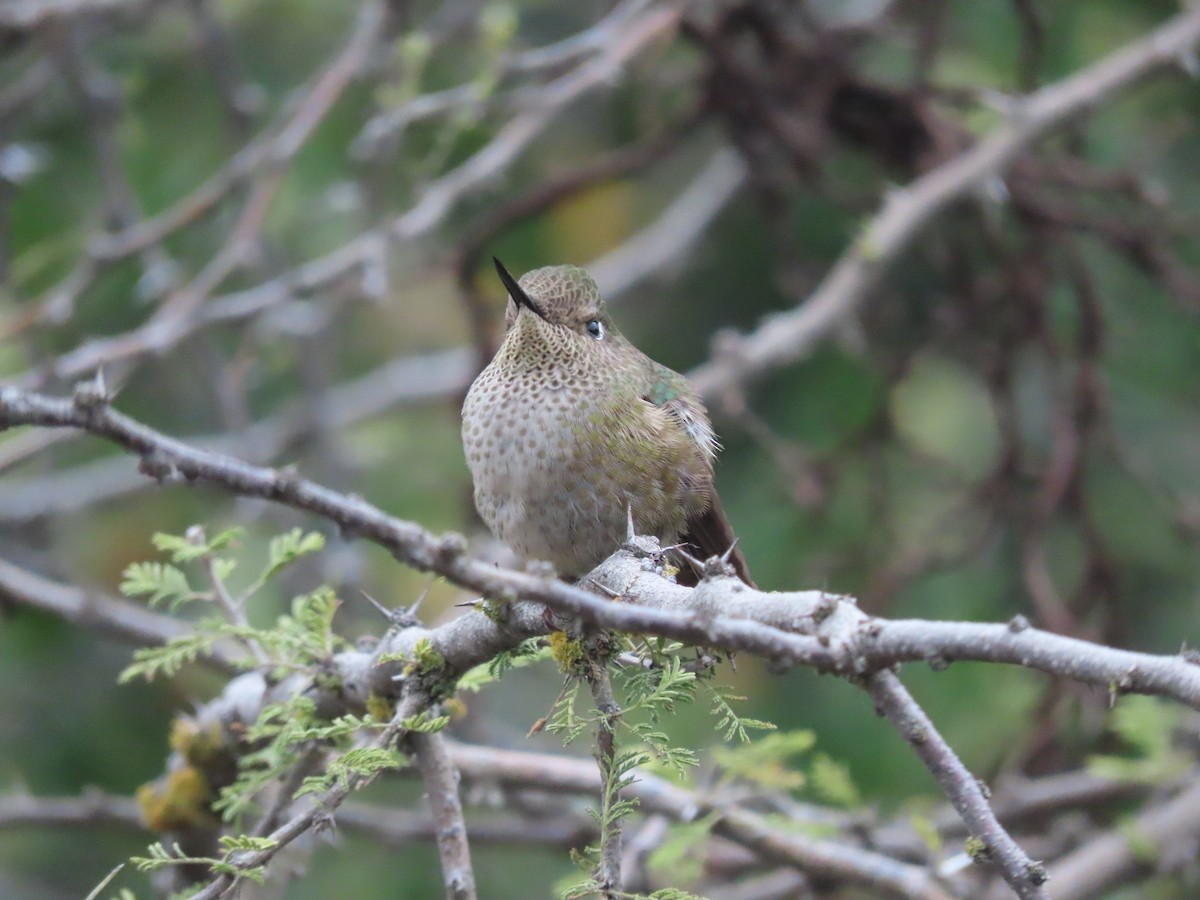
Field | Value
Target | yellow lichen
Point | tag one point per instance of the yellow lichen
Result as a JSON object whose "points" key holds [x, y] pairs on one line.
{"points": [[178, 800], [568, 653], [380, 707], [198, 746]]}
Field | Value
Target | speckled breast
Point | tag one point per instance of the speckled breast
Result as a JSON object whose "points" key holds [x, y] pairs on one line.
{"points": [[556, 468]]}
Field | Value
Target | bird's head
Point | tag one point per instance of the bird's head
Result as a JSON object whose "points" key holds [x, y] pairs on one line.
{"points": [[555, 302]]}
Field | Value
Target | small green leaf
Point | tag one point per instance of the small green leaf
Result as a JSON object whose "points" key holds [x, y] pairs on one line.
{"points": [[425, 722], [287, 548], [231, 843], [158, 580], [150, 662], [832, 782], [677, 855], [765, 761]]}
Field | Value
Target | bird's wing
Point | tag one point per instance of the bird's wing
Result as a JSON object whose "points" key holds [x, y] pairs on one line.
{"points": [[707, 530], [671, 391]]}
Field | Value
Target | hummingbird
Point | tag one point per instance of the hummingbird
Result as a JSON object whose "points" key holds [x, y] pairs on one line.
{"points": [[571, 433]]}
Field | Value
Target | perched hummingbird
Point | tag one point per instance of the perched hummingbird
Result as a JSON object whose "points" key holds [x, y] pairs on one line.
{"points": [[571, 429]]}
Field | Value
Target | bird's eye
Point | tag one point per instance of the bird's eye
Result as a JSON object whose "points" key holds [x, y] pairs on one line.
{"points": [[595, 329]]}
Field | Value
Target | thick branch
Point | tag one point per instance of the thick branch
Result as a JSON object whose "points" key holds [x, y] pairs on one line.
{"points": [[808, 628], [812, 628]]}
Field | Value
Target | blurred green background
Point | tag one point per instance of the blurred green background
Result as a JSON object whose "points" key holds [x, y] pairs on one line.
{"points": [[1009, 427]]}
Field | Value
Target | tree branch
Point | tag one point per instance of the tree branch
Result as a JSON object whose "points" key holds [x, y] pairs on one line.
{"points": [[892, 699], [107, 615], [35, 13], [809, 628], [441, 787], [790, 336], [608, 871], [319, 812], [366, 252], [798, 628], [823, 858]]}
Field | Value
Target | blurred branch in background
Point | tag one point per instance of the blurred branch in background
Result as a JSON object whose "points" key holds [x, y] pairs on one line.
{"points": [[933, 265]]}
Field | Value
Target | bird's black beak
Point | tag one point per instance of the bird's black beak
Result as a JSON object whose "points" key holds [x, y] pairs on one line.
{"points": [[515, 291]]}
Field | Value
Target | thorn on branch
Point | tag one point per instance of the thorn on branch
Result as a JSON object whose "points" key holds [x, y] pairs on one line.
{"points": [[1018, 623], [1036, 872], [285, 482], [605, 589], [449, 548], [399, 617], [825, 608], [937, 662], [93, 395], [324, 821], [697, 564], [717, 567], [1126, 680], [161, 467]]}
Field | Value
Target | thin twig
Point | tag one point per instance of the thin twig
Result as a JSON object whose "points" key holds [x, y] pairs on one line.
{"points": [[676, 229], [180, 317], [608, 870], [441, 787], [821, 857], [233, 610], [893, 700]]}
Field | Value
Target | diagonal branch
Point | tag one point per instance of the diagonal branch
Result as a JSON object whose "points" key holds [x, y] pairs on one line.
{"points": [[1023, 875], [790, 336], [317, 814]]}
